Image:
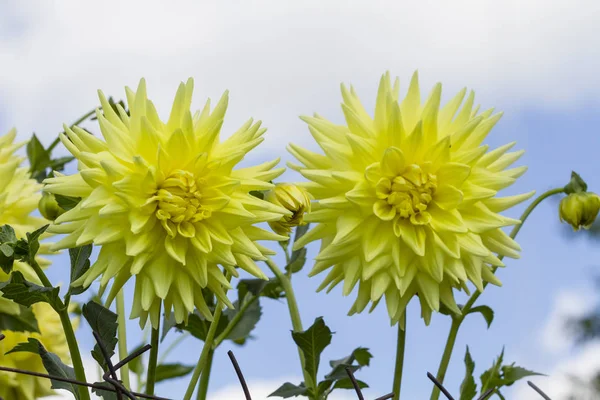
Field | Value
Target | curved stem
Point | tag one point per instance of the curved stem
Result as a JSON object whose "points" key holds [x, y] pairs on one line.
{"points": [[457, 320], [153, 362], [294, 315], [208, 343], [204, 379], [399, 357], [69, 333], [122, 334]]}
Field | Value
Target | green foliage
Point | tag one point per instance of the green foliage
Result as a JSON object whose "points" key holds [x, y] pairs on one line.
{"points": [[24, 321], [52, 363], [23, 292], [171, 371], [290, 390], [40, 159], [13, 249], [80, 263], [499, 375], [486, 312], [104, 323], [66, 202], [311, 343], [298, 257]]}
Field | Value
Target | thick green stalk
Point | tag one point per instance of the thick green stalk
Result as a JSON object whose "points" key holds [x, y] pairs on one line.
{"points": [[400, 346], [457, 320], [122, 333], [294, 315], [204, 379], [208, 344], [69, 334], [153, 362]]}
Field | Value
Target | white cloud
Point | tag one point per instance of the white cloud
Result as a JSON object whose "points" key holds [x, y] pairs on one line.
{"points": [[260, 389], [567, 304], [281, 59]]}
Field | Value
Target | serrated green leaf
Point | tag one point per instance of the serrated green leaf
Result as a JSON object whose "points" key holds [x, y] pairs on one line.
{"points": [[312, 342], [339, 371], [80, 263], [259, 287], [324, 388], [66, 202], [39, 158], [6, 249], [53, 365], [290, 390], [7, 234], [297, 261], [170, 371], [104, 323], [511, 374], [468, 387], [346, 383], [26, 293], [33, 243], [198, 326], [491, 377], [24, 321], [486, 312], [246, 323], [362, 356], [58, 164]]}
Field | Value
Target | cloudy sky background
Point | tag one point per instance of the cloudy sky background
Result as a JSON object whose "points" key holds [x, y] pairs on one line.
{"points": [[537, 60]]}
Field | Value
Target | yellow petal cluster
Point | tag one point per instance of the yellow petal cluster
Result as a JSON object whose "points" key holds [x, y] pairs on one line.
{"points": [[293, 198], [406, 200], [19, 197], [24, 387], [579, 209], [164, 202]]}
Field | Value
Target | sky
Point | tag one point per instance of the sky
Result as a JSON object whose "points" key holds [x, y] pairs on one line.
{"points": [[537, 61]]}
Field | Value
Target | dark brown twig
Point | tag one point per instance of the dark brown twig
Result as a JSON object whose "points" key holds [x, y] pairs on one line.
{"points": [[440, 386], [355, 384], [486, 394], [240, 376], [113, 380], [133, 355], [387, 396], [537, 389]]}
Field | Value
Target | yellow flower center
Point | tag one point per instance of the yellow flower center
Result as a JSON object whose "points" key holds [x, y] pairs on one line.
{"points": [[407, 195], [179, 204]]}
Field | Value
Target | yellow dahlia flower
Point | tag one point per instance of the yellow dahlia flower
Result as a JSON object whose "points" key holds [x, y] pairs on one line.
{"points": [[19, 197], [165, 204], [23, 387], [293, 198], [579, 209], [406, 201]]}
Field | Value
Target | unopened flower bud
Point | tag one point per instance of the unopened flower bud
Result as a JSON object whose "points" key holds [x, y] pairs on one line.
{"points": [[292, 198], [579, 209], [49, 208]]}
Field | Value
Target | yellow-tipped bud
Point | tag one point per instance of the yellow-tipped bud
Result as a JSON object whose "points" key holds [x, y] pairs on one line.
{"points": [[49, 208], [293, 198], [579, 209]]}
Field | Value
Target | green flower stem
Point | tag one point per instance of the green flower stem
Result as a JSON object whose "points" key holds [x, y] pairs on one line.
{"points": [[65, 320], [233, 323], [153, 362], [203, 387], [310, 382], [208, 343], [457, 320], [399, 357], [122, 334]]}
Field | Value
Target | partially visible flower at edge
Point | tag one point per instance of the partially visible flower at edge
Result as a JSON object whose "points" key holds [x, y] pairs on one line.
{"points": [[406, 201], [51, 336], [19, 197], [293, 198], [165, 204]]}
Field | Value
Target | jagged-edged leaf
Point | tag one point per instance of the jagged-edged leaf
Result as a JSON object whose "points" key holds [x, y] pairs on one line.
{"points": [[198, 326], [39, 158], [170, 371], [247, 322], [312, 342], [486, 312], [259, 287], [80, 263], [23, 292], [468, 387], [346, 383], [290, 390], [104, 323], [24, 321]]}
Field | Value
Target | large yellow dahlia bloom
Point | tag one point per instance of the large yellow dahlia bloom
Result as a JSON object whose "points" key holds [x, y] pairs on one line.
{"points": [[19, 197], [165, 204], [406, 200], [24, 387]]}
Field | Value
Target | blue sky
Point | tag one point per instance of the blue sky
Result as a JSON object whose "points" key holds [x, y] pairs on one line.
{"points": [[537, 62]]}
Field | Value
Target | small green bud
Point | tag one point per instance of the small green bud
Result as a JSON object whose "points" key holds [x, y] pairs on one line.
{"points": [[49, 208], [579, 209]]}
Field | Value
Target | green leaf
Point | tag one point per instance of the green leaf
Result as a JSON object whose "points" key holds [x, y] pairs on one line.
{"points": [[7, 234], [170, 371], [361, 355], [54, 366], [104, 323], [26, 293], [105, 394], [468, 387], [312, 342], [491, 377], [24, 321], [168, 324], [33, 243], [511, 374], [247, 322], [258, 194], [486, 312], [346, 383], [135, 365], [6, 249], [290, 390], [339, 371], [259, 287], [58, 164], [297, 260], [66, 202], [324, 388], [198, 326], [80, 263], [39, 158]]}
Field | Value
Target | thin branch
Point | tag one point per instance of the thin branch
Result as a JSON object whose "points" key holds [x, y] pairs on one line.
{"points": [[537, 389], [355, 384], [240, 376], [440, 386]]}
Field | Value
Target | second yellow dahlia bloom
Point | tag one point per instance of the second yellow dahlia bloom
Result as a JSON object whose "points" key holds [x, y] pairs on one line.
{"points": [[406, 201], [24, 387], [165, 204], [19, 197]]}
